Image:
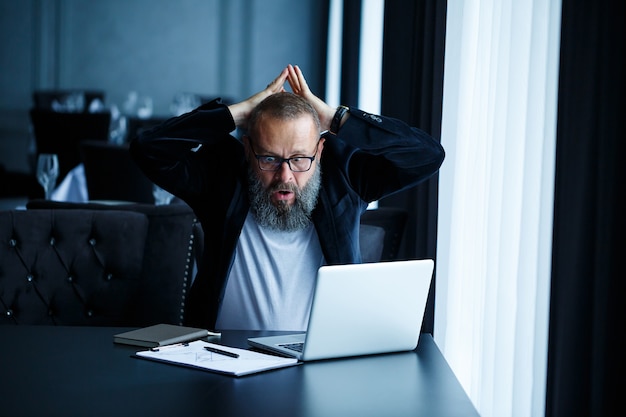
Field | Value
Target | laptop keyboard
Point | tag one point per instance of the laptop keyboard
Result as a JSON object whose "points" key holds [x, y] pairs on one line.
{"points": [[294, 346]]}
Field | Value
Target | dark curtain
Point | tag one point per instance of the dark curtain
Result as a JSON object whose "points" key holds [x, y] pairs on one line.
{"points": [[588, 295], [350, 51], [412, 90]]}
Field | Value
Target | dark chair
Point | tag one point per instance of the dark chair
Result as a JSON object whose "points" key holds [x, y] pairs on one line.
{"points": [[392, 221], [111, 174], [61, 133], [19, 184], [43, 99], [371, 241], [94, 264]]}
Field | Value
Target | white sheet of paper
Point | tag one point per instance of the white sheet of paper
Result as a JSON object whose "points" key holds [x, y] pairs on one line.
{"points": [[194, 355]]}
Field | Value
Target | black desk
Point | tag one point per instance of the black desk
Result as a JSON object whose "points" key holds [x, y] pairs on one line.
{"points": [[78, 371]]}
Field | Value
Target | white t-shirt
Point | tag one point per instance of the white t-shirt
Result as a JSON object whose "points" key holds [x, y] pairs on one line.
{"points": [[270, 286]]}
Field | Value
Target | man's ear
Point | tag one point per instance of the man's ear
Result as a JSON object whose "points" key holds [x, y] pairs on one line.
{"points": [[320, 147]]}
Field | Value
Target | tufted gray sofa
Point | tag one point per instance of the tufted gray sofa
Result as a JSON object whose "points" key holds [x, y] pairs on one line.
{"points": [[95, 264]]}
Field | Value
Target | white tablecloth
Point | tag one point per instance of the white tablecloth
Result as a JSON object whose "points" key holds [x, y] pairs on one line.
{"points": [[73, 188]]}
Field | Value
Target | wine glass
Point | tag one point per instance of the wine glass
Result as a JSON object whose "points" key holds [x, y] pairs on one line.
{"points": [[47, 172]]}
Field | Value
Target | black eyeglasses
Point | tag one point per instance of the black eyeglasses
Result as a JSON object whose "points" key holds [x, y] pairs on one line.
{"points": [[296, 163]]}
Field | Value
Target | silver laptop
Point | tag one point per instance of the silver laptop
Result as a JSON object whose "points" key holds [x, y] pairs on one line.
{"points": [[360, 309]]}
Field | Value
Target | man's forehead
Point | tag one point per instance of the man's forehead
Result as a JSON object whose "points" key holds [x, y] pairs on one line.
{"points": [[269, 120], [292, 133]]}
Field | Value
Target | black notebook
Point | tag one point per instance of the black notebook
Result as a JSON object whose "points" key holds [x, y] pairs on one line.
{"points": [[161, 335]]}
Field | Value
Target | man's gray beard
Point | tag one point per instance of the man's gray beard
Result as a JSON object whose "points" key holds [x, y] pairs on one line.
{"points": [[284, 217]]}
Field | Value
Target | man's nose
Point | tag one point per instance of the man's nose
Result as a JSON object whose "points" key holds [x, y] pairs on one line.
{"points": [[284, 172]]}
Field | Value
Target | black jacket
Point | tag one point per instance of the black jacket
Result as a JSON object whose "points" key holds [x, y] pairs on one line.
{"points": [[372, 157]]}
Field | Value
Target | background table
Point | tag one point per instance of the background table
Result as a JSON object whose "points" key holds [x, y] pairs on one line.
{"points": [[79, 371]]}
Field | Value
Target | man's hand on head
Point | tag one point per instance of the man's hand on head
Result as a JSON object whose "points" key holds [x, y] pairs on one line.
{"points": [[240, 111], [299, 86], [293, 75]]}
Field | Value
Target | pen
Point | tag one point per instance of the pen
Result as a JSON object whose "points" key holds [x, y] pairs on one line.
{"points": [[156, 349], [221, 352]]}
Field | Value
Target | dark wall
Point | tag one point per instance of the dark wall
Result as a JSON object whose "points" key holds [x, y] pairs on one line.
{"points": [[156, 47]]}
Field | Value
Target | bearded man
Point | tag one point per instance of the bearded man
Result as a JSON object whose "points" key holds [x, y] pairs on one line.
{"points": [[282, 201]]}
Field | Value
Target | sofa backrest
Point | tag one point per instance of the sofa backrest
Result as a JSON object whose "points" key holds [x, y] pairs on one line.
{"points": [[84, 264]]}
